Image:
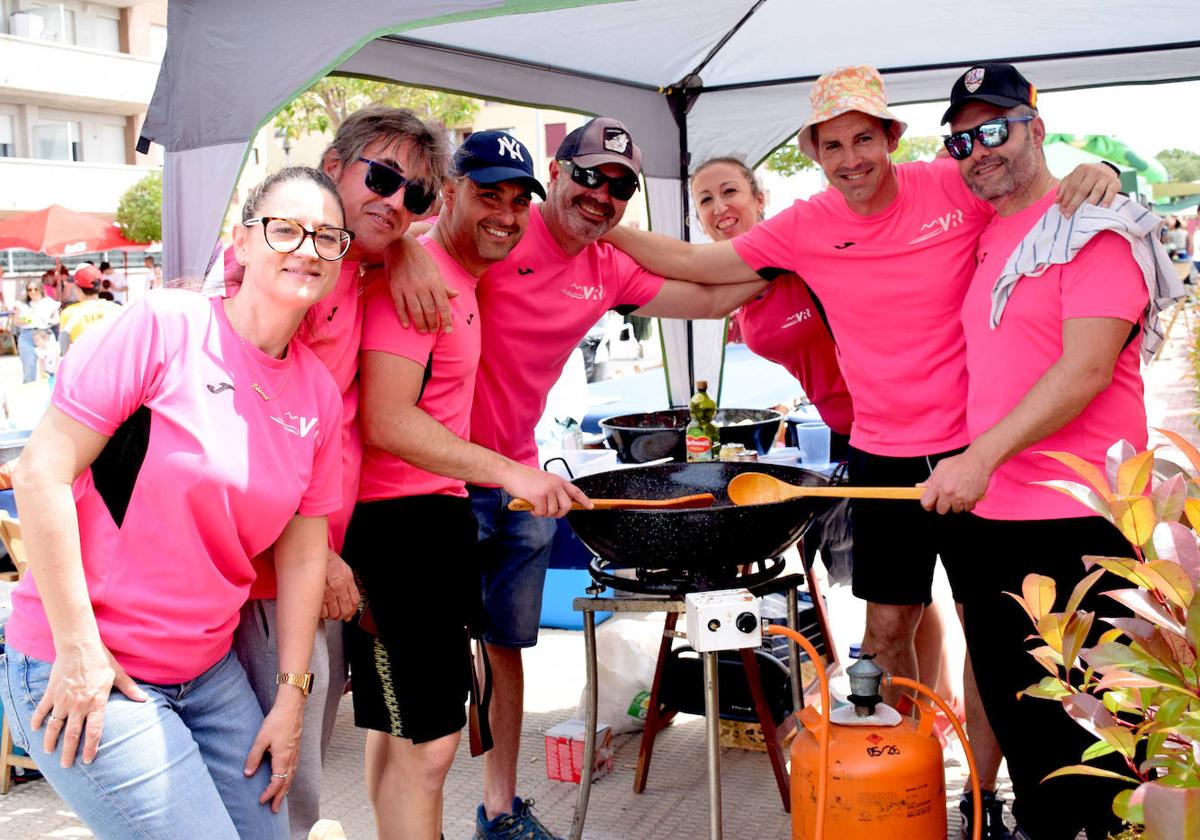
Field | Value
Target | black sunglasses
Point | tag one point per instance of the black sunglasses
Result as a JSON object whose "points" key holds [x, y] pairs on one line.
{"points": [[384, 181], [991, 134], [622, 187]]}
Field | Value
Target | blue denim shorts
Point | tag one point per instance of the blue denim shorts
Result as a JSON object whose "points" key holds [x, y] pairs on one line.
{"points": [[167, 767], [514, 554]]}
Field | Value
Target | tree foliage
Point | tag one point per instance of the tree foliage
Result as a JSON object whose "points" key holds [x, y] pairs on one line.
{"points": [[139, 213], [787, 160], [325, 105], [1180, 164]]}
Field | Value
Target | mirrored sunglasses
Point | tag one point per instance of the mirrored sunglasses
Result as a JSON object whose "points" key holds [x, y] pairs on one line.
{"points": [[384, 181], [621, 187], [990, 134], [287, 235]]}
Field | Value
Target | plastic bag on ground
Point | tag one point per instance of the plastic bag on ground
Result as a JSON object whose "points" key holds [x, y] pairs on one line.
{"points": [[626, 651]]}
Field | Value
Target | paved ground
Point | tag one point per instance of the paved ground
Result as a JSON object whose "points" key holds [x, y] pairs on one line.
{"points": [[675, 803]]}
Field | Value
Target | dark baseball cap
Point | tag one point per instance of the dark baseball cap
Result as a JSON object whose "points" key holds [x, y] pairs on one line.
{"points": [[600, 141], [996, 84], [489, 157]]}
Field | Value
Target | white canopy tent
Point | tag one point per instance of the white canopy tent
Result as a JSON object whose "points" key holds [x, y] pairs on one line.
{"points": [[690, 79]]}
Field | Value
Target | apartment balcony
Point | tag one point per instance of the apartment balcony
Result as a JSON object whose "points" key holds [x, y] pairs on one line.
{"points": [[74, 78], [87, 187]]}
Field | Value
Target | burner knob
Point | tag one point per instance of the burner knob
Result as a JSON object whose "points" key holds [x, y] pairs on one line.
{"points": [[747, 622]]}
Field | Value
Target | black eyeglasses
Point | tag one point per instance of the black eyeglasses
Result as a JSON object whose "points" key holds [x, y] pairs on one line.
{"points": [[621, 187], [384, 181], [287, 235], [991, 134]]}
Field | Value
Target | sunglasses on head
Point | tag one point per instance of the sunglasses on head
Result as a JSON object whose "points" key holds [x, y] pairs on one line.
{"points": [[990, 134], [385, 181], [621, 187]]}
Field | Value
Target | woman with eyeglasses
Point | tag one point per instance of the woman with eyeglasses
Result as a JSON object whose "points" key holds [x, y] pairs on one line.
{"points": [[33, 311], [185, 436]]}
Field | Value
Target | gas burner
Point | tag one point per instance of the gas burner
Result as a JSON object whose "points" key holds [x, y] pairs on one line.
{"points": [[678, 582]]}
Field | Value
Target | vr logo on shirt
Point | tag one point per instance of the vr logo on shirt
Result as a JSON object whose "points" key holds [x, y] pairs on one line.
{"points": [[579, 292], [938, 226], [299, 426]]}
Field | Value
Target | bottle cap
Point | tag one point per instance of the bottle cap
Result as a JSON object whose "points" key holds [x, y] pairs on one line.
{"points": [[701, 384]]}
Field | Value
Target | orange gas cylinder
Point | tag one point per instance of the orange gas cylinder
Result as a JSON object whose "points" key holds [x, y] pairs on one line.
{"points": [[886, 780]]}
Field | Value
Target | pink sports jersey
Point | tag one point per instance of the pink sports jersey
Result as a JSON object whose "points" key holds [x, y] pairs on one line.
{"points": [[223, 473], [450, 361], [537, 305], [1103, 281], [785, 326], [332, 328], [892, 285]]}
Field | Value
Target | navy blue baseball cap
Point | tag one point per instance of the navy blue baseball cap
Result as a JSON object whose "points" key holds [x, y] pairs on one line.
{"points": [[489, 157]]}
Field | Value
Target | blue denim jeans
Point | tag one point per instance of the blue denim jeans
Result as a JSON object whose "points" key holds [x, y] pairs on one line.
{"points": [[28, 354], [514, 554], [168, 767]]}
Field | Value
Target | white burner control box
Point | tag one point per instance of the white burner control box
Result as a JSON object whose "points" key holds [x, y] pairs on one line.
{"points": [[727, 619]]}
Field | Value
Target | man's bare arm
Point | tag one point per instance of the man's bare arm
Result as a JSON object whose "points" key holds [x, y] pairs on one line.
{"points": [[418, 290], [392, 421], [677, 299], [1090, 350], [711, 263]]}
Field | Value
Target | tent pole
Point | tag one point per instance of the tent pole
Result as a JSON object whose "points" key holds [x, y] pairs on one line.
{"points": [[680, 97]]}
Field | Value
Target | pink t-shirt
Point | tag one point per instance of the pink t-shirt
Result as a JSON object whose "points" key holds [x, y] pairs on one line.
{"points": [[537, 305], [892, 285], [332, 329], [785, 326], [223, 473], [1103, 281], [450, 361]]}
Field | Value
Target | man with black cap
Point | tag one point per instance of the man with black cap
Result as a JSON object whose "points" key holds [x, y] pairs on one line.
{"points": [[412, 675], [1052, 363]]}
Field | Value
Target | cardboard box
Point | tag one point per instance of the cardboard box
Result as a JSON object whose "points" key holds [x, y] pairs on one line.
{"points": [[564, 751]]}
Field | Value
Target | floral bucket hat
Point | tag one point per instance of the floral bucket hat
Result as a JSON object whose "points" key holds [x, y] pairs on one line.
{"points": [[841, 90]]}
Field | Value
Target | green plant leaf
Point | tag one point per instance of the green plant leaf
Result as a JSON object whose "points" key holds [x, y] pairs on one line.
{"points": [[1049, 688], [1120, 656], [1192, 628], [1127, 809], [1134, 474], [1141, 603], [1088, 770], [1124, 567], [1081, 589], [1098, 750], [1177, 543], [1084, 469], [1080, 493]]}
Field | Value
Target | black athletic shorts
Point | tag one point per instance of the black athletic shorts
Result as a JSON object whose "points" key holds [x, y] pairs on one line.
{"points": [[896, 543], [409, 653]]}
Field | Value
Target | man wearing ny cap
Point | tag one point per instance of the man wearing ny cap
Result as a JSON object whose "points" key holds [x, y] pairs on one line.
{"points": [[536, 307], [888, 252], [91, 309], [412, 674], [1052, 363]]}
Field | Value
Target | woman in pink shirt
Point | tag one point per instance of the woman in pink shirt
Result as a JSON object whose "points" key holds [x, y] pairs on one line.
{"points": [[185, 436], [783, 323]]}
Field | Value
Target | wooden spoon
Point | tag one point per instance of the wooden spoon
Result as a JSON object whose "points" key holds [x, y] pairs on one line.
{"points": [[700, 500], [755, 488]]}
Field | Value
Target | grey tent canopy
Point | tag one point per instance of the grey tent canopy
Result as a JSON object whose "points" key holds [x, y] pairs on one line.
{"points": [[690, 79]]}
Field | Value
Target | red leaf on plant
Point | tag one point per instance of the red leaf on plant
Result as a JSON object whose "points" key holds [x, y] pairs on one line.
{"points": [[1125, 679], [1168, 498], [1142, 604], [1183, 445], [1089, 712], [1117, 454], [1177, 543]]}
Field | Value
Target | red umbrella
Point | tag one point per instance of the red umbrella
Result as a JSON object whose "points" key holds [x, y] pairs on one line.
{"points": [[59, 232]]}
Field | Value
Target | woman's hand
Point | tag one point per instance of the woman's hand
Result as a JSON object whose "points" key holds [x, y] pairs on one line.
{"points": [[280, 736], [81, 679]]}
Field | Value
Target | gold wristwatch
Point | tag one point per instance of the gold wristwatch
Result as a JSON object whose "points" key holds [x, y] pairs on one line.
{"points": [[301, 681]]}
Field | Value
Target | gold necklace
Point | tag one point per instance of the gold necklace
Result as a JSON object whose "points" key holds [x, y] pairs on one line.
{"points": [[254, 386]]}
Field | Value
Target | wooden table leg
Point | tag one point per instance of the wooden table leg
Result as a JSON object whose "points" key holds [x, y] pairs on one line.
{"points": [[767, 722], [656, 717]]}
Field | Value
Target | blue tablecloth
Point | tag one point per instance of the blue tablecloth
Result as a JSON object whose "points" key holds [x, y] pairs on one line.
{"points": [[749, 381]]}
